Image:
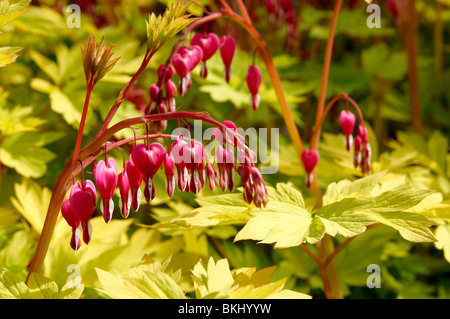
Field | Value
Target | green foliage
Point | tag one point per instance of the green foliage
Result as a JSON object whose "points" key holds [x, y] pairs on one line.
{"points": [[37, 287], [162, 28], [153, 280], [9, 12]]}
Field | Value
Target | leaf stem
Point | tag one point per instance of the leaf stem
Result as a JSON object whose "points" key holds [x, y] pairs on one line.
{"points": [[310, 253]]}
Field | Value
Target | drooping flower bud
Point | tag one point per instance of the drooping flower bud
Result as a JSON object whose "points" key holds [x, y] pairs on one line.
{"points": [[136, 96], [347, 122], [254, 80], [310, 158], [171, 89], [154, 94], [209, 43], [149, 160], [105, 176], [165, 73], [125, 193], [227, 48]]}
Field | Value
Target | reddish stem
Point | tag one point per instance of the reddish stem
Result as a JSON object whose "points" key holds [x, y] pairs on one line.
{"points": [[82, 122]]}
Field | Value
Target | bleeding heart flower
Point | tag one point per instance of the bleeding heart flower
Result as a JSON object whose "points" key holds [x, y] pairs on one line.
{"points": [[227, 48], [347, 123], [226, 136], [211, 176], [83, 198], [254, 80], [105, 176], [135, 180], [209, 43], [310, 158], [357, 151], [167, 72], [169, 170], [149, 159], [196, 55], [225, 163], [196, 167], [74, 222], [125, 193], [181, 153], [244, 172], [154, 94], [261, 195]]}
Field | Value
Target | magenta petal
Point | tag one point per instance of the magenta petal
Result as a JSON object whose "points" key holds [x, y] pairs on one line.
{"points": [[70, 217], [347, 121], [105, 176], [134, 174], [310, 158], [125, 205], [136, 196], [82, 202], [227, 49], [209, 43], [107, 209], [253, 79], [181, 65], [148, 161], [87, 231]]}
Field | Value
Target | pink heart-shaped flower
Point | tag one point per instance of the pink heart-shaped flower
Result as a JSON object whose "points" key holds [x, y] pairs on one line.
{"points": [[347, 122], [209, 43], [105, 177], [310, 158], [182, 64], [148, 160], [83, 199]]}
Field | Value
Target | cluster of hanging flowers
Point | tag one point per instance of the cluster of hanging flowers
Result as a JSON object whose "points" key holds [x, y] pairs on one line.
{"points": [[185, 163], [202, 46], [362, 153], [186, 166]]}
